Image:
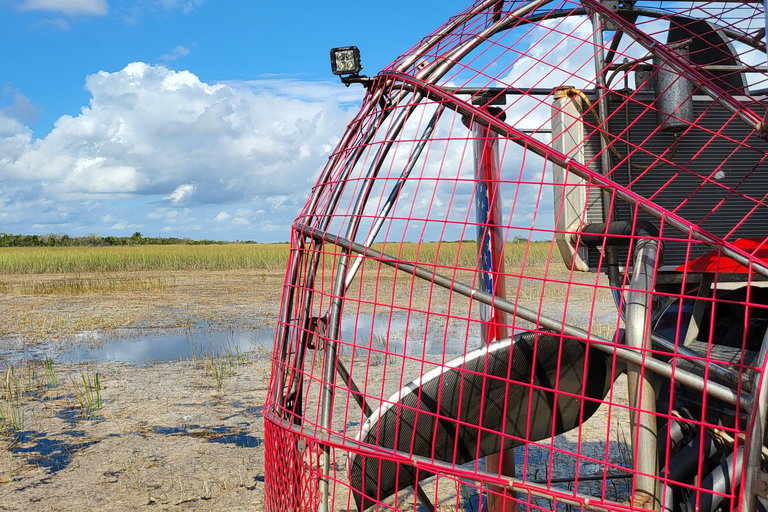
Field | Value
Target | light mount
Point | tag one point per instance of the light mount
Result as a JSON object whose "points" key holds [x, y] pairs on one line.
{"points": [[345, 63]]}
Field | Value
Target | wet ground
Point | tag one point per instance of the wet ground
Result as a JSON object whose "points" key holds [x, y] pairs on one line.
{"points": [[165, 437]]}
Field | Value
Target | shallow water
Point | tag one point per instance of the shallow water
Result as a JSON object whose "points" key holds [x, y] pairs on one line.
{"points": [[170, 347], [149, 347], [413, 334]]}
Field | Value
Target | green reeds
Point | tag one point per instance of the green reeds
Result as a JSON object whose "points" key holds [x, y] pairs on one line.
{"points": [[220, 362], [51, 379], [465, 499], [11, 412], [40, 260], [220, 368], [89, 395]]}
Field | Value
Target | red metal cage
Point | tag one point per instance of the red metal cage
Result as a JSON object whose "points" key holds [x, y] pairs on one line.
{"points": [[532, 274]]}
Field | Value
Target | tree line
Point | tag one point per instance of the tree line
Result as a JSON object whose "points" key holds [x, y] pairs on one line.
{"points": [[95, 240]]}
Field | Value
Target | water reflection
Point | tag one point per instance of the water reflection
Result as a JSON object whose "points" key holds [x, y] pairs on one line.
{"points": [[172, 347], [413, 333]]}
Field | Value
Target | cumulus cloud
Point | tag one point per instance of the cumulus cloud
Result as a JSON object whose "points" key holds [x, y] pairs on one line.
{"points": [[68, 7], [222, 217], [182, 193], [151, 136], [178, 52]]}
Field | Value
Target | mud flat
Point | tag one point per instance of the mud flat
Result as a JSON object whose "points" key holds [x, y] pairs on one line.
{"points": [[165, 437], [181, 434]]}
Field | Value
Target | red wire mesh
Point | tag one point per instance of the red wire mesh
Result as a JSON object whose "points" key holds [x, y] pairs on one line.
{"points": [[531, 275]]}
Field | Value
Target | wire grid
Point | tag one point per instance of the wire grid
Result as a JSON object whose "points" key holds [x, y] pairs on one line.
{"points": [[523, 280]]}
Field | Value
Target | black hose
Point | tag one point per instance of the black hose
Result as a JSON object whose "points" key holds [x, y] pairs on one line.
{"points": [[616, 233]]}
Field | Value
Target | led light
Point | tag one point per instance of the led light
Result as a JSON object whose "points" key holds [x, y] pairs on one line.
{"points": [[345, 60]]}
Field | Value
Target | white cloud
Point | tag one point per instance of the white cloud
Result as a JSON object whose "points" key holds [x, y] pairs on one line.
{"points": [[180, 5], [153, 139], [69, 7], [178, 52], [20, 107], [221, 217], [181, 193]]}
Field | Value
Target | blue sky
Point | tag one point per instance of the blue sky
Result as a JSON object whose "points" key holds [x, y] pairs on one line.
{"points": [[179, 117]]}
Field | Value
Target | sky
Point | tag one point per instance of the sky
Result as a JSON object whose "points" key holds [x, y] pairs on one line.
{"points": [[185, 118]]}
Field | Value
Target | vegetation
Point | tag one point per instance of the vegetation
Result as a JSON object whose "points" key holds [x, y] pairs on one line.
{"points": [[41, 260], [94, 240], [89, 395], [11, 411]]}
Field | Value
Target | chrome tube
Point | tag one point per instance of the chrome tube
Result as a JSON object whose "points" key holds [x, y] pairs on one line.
{"points": [[642, 397], [757, 420]]}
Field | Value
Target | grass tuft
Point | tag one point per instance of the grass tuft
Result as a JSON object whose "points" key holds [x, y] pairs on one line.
{"points": [[11, 412], [50, 373], [89, 395]]}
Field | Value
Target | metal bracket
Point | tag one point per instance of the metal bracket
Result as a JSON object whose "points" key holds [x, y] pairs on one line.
{"points": [[486, 99], [317, 327], [609, 24]]}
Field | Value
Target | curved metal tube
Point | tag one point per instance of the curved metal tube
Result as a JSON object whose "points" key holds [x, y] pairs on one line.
{"points": [[683, 466]]}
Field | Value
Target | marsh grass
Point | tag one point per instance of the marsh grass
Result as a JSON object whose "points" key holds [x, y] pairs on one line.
{"points": [[465, 500], [82, 285], [11, 411], [46, 260], [220, 363], [52, 381], [89, 395], [220, 368]]}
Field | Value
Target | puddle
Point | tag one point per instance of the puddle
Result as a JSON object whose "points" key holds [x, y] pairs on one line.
{"points": [[397, 333], [151, 348]]}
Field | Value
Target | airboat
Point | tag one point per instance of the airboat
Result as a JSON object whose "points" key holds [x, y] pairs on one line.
{"points": [[532, 274]]}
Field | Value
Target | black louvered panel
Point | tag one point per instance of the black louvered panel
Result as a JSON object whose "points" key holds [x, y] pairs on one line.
{"points": [[732, 206]]}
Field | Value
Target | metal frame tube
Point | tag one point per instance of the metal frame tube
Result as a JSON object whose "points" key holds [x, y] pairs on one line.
{"points": [[757, 420], [642, 397]]}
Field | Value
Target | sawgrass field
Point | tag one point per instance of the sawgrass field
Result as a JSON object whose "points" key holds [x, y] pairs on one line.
{"points": [[222, 257]]}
